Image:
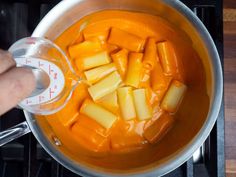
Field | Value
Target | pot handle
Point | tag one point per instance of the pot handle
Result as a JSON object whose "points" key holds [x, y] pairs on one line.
{"points": [[14, 133]]}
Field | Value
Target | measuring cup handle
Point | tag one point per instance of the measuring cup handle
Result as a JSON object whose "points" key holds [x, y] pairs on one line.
{"points": [[14, 133]]}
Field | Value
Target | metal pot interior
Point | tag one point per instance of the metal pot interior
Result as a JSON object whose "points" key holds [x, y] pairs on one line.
{"points": [[195, 118]]}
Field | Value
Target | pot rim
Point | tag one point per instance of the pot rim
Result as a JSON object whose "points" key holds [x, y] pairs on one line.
{"points": [[185, 153]]}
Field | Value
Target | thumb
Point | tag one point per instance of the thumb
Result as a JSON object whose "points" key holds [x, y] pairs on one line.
{"points": [[15, 85]]}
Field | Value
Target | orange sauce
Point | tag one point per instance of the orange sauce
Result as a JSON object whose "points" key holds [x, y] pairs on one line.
{"points": [[126, 137]]}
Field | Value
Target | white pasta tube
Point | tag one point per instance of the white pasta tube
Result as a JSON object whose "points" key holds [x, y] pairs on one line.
{"points": [[93, 61], [168, 57], [98, 113], [121, 60], [173, 96], [109, 101], [105, 86], [126, 103], [159, 128], [91, 33], [142, 106], [98, 73], [133, 75], [126, 40], [150, 54], [84, 48]]}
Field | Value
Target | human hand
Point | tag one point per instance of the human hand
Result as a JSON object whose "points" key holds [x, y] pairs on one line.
{"points": [[15, 83]]}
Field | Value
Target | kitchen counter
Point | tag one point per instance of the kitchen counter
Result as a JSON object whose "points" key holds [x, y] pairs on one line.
{"points": [[230, 85]]}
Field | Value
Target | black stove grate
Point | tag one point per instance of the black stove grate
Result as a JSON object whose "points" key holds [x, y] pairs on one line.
{"points": [[24, 157]]}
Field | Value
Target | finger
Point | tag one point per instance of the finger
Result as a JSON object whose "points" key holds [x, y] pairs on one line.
{"points": [[15, 85], [6, 61]]}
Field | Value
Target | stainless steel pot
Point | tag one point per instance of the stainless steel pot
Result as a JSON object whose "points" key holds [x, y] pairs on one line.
{"points": [[68, 12]]}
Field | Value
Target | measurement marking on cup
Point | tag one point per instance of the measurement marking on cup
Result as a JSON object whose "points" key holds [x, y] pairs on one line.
{"points": [[56, 76], [41, 98], [40, 64], [50, 92], [27, 61], [28, 101], [50, 70], [30, 41]]}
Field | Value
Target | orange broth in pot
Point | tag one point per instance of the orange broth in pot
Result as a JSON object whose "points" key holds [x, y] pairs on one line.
{"points": [[125, 145]]}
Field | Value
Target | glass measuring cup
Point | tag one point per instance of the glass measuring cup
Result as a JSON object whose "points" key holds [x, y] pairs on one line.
{"points": [[55, 77]]}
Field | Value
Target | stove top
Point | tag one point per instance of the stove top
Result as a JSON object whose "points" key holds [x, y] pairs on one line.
{"points": [[24, 157]]}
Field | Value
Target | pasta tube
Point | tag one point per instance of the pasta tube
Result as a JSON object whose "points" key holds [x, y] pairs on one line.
{"points": [[84, 48], [167, 57], [125, 97], [173, 96], [78, 39], [107, 85], [145, 78], [151, 95], [142, 106], [110, 48], [98, 113], [126, 40], [109, 101], [68, 116], [159, 128], [133, 75], [98, 73], [121, 60], [91, 33], [150, 54], [93, 61], [126, 143], [90, 134], [159, 82]]}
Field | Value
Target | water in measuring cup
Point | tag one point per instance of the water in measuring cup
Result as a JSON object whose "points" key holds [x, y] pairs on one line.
{"points": [[55, 75], [47, 60]]}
